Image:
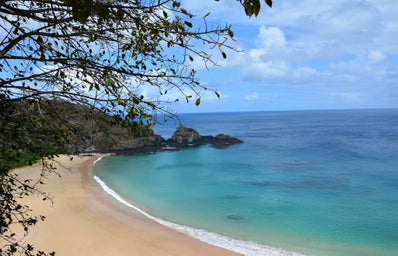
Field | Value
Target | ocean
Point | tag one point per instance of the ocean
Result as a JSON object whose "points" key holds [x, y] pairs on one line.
{"points": [[313, 182]]}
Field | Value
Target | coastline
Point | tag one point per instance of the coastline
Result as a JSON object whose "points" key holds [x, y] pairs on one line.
{"points": [[246, 248], [85, 220], [241, 247]]}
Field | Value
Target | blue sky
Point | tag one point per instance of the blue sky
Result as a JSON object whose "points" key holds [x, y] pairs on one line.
{"points": [[303, 54]]}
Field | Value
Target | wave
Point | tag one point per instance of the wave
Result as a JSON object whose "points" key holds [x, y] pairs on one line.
{"points": [[97, 160], [243, 247]]}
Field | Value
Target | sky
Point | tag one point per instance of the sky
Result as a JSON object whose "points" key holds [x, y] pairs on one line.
{"points": [[306, 54]]}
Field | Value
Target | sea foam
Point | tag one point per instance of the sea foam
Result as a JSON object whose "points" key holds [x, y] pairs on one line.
{"points": [[97, 160], [244, 247]]}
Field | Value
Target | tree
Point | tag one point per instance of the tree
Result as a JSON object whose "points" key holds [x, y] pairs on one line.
{"points": [[94, 53]]}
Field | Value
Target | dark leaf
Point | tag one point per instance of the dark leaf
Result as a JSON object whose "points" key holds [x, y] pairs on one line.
{"points": [[189, 24]]}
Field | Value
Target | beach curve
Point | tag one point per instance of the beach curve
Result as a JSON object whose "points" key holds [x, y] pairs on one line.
{"points": [[85, 220], [246, 248]]}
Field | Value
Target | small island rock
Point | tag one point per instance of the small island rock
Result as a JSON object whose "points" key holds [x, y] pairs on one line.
{"points": [[181, 138], [185, 136]]}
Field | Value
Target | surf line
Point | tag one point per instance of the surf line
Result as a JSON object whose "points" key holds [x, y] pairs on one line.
{"points": [[246, 248]]}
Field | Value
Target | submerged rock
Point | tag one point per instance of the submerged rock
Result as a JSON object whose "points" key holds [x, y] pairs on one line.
{"points": [[295, 162], [235, 217]]}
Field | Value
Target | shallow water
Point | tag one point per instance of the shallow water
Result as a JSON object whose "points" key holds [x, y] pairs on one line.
{"points": [[315, 182]]}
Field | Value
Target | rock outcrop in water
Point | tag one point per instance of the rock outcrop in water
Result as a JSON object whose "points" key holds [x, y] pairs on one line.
{"points": [[190, 137], [185, 136], [181, 138]]}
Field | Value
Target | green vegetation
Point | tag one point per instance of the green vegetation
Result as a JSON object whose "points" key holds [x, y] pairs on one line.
{"points": [[30, 135]]}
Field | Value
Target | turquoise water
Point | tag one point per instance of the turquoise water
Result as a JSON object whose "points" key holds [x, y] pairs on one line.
{"points": [[314, 182]]}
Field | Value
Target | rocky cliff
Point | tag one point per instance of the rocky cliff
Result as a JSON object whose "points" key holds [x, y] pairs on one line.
{"points": [[181, 138]]}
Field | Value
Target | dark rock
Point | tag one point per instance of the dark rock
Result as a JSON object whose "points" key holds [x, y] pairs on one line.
{"points": [[153, 143], [185, 136], [190, 137], [182, 137], [143, 142], [222, 140]]}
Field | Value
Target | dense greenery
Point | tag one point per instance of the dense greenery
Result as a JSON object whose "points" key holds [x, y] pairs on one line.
{"points": [[95, 58]]}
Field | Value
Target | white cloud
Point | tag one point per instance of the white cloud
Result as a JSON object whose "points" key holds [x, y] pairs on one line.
{"points": [[304, 74], [352, 98], [265, 70], [252, 97], [342, 49], [351, 19], [375, 56], [269, 38]]}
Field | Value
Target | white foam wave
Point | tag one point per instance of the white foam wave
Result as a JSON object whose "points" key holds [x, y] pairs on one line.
{"points": [[239, 246], [97, 160]]}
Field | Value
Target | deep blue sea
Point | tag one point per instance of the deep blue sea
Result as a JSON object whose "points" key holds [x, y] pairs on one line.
{"points": [[312, 182]]}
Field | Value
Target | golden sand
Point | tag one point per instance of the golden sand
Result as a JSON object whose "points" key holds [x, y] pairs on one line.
{"points": [[84, 220]]}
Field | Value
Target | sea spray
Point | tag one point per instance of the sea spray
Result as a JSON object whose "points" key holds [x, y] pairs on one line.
{"points": [[239, 246]]}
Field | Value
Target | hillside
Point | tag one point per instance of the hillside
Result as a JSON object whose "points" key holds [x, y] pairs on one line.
{"points": [[31, 129]]}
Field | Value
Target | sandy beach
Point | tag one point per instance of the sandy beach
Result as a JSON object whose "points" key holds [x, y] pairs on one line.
{"points": [[84, 220]]}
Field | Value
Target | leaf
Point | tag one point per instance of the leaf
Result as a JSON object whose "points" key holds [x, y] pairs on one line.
{"points": [[119, 15], [120, 102], [269, 2], [256, 7], [189, 24], [224, 55], [197, 102], [176, 4], [151, 125], [248, 8], [217, 94]]}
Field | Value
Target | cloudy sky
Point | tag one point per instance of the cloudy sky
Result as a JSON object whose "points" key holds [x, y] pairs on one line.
{"points": [[305, 54]]}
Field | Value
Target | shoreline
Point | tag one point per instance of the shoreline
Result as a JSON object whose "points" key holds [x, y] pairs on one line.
{"points": [[246, 248], [85, 220], [242, 247]]}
